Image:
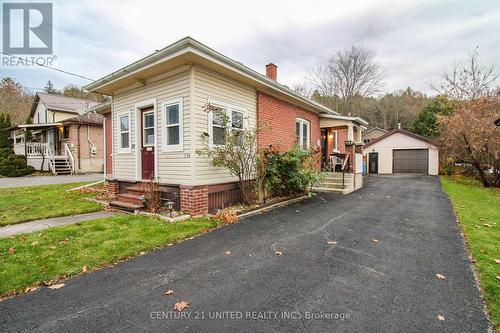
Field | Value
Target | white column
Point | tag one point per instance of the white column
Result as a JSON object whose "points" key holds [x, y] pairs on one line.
{"points": [[359, 138], [350, 132]]}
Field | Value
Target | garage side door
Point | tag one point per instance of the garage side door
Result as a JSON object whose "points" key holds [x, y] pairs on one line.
{"points": [[410, 160]]}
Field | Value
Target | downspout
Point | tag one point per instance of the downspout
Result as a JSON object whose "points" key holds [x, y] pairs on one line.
{"points": [[78, 144]]}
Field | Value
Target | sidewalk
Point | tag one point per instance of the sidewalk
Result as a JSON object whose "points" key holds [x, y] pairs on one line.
{"points": [[27, 227], [49, 180]]}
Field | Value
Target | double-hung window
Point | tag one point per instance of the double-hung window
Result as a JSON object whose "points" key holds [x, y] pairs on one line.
{"points": [[224, 118], [124, 129], [219, 122], [172, 125], [303, 132]]}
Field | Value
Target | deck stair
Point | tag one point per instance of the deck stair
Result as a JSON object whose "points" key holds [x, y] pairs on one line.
{"points": [[60, 165]]}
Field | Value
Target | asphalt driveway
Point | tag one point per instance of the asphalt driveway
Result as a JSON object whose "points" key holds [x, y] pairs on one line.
{"points": [[392, 238]]}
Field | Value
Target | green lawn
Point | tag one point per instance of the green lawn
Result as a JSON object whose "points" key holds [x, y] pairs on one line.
{"points": [[21, 204], [64, 251], [478, 210]]}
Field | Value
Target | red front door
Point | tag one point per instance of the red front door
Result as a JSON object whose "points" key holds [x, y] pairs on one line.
{"points": [[148, 143]]}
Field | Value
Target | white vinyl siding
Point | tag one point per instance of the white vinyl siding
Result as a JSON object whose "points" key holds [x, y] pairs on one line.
{"points": [[174, 167], [210, 86]]}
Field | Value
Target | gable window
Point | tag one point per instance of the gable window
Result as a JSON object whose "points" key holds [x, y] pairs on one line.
{"points": [[224, 119], [124, 129], [173, 121], [303, 132]]}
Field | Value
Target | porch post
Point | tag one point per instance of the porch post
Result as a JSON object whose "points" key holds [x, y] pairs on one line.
{"points": [[350, 132]]}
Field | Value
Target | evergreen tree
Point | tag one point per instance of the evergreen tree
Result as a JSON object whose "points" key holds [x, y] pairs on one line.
{"points": [[49, 88]]}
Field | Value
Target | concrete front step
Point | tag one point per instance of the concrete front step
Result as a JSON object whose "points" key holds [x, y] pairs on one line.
{"points": [[328, 189], [130, 198], [125, 205]]}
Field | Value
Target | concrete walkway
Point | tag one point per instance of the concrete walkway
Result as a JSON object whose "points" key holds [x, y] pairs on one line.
{"points": [[27, 227], [49, 180]]}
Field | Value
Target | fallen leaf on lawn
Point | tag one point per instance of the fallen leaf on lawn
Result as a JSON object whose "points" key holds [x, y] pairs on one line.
{"points": [[12, 250], [170, 244], [477, 226], [227, 252], [169, 292], [498, 277], [497, 261], [482, 219], [440, 276], [52, 247], [482, 250], [142, 253], [375, 240], [181, 306], [329, 242], [23, 238], [57, 286], [278, 253], [84, 269], [34, 243], [487, 225], [441, 318]]}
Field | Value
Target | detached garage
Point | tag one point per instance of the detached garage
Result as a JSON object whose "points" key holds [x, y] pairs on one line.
{"points": [[400, 151]]}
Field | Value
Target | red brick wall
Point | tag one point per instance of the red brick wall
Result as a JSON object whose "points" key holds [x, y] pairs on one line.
{"points": [[279, 118], [109, 140], [194, 200]]}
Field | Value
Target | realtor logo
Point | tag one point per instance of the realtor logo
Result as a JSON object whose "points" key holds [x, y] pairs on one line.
{"points": [[27, 28]]}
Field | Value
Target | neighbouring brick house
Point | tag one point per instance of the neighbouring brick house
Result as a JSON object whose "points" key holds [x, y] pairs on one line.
{"points": [[156, 122], [67, 136]]}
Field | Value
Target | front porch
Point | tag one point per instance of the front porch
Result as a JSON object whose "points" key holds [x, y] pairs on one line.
{"points": [[46, 151], [341, 153], [41, 156]]}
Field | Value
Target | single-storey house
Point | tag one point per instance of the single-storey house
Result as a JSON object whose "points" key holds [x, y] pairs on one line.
{"points": [[401, 151], [373, 133], [158, 120], [65, 137]]}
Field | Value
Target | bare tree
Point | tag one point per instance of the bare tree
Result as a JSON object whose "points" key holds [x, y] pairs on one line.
{"points": [[467, 80], [349, 73]]}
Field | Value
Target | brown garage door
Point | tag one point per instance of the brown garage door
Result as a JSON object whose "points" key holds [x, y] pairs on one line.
{"points": [[410, 160]]}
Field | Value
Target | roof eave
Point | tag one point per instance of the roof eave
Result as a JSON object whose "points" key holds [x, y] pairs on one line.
{"points": [[188, 44]]}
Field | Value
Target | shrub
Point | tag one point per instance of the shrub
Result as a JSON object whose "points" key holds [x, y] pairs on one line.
{"points": [[14, 166], [290, 172]]}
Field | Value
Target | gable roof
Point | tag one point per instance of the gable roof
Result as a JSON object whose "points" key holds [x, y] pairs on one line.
{"points": [[401, 131], [375, 128], [61, 103], [188, 51]]}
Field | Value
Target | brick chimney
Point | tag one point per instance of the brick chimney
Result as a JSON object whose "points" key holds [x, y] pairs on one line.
{"points": [[272, 71]]}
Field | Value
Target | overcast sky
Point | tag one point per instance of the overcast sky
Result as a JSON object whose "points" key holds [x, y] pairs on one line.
{"points": [[412, 40]]}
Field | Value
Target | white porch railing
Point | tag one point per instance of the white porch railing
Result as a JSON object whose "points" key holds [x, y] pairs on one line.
{"points": [[69, 154], [33, 149]]}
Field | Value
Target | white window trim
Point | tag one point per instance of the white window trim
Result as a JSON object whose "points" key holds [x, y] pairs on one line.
{"points": [[119, 122], [164, 105], [229, 108], [143, 128], [301, 135]]}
